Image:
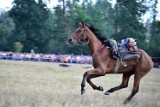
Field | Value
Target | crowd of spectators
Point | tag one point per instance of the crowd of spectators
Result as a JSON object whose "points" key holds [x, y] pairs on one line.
{"points": [[81, 59], [156, 65]]}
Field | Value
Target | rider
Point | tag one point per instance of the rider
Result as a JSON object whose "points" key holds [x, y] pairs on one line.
{"points": [[124, 43]]}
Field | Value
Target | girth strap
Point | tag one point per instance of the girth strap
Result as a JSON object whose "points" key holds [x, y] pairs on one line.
{"points": [[118, 62]]}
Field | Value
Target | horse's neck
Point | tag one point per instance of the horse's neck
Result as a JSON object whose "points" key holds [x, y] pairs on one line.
{"points": [[94, 43]]}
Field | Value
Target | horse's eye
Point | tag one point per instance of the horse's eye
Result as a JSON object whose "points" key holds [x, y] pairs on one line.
{"points": [[79, 31]]}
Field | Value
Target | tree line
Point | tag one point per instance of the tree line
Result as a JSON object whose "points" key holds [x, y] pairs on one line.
{"points": [[31, 25]]}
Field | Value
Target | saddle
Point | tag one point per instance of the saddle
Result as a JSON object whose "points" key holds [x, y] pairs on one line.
{"points": [[129, 52]]}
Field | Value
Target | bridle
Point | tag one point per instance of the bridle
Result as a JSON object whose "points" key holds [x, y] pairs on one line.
{"points": [[85, 33], [78, 38]]}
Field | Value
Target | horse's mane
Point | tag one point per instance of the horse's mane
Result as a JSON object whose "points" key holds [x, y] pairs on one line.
{"points": [[97, 33]]}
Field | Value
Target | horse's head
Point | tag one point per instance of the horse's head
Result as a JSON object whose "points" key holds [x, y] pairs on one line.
{"points": [[79, 35]]}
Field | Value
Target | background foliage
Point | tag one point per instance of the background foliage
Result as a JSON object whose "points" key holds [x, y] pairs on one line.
{"points": [[30, 24]]}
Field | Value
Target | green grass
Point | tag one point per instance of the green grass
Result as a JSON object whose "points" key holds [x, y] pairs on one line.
{"points": [[42, 84]]}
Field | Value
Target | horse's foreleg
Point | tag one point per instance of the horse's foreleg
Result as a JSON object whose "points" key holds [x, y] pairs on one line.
{"points": [[83, 82], [135, 88], [88, 76], [124, 84]]}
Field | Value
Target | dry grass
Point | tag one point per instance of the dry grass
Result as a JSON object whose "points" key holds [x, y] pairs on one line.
{"points": [[39, 84]]}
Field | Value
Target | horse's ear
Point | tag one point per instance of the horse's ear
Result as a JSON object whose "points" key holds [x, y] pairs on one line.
{"points": [[81, 24]]}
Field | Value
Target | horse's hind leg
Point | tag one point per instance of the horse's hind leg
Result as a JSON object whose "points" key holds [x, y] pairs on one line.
{"points": [[135, 89], [88, 76], [137, 77], [124, 84]]}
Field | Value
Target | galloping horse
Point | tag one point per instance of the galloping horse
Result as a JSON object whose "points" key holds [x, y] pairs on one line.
{"points": [[104, 63]]}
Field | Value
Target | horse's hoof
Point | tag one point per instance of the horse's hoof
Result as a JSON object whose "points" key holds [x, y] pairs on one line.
{"points": [[126, 102], [82, 92], [107, 93], [100, 88]]}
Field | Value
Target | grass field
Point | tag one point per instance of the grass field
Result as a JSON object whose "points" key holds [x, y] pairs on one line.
{"points": [[42, 84]]}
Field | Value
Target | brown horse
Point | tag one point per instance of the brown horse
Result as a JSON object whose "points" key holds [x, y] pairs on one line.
{"points": [[104, 63]]}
